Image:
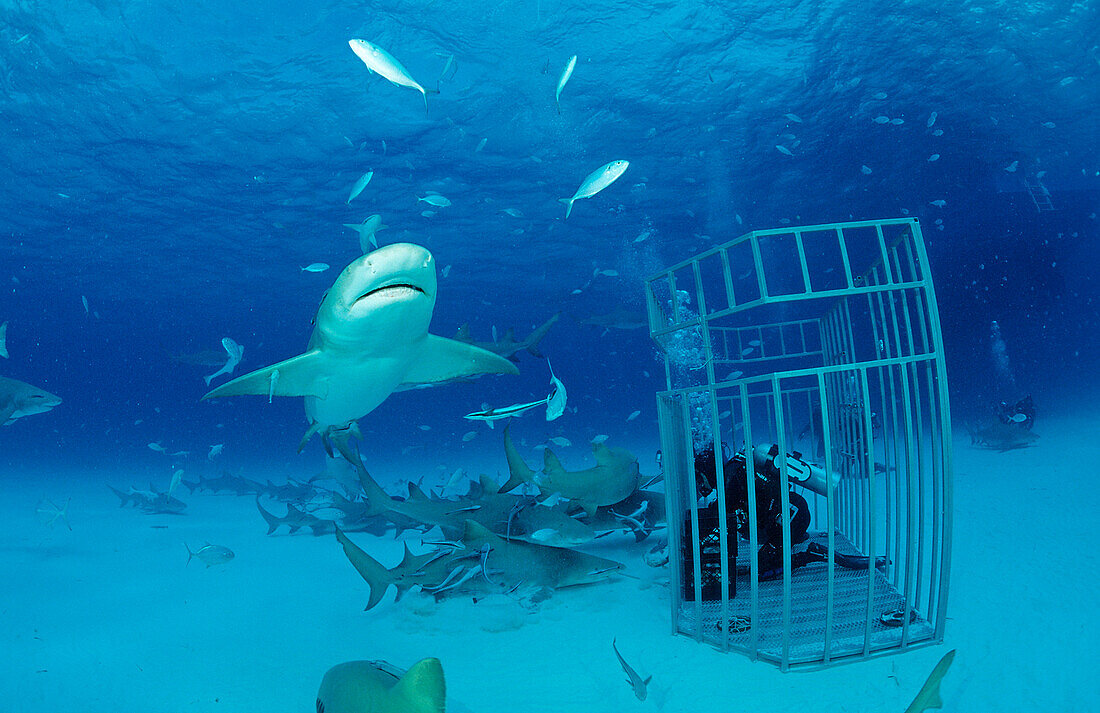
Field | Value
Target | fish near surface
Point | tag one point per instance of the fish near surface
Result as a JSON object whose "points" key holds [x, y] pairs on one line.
{"points": [[370, 339], [19, 399], [375, 687], [384, 64]]}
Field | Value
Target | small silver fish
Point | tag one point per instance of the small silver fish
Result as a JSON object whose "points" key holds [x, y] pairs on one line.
{"points": [[382, 62], [315, 267], [210, 554], [359, 186], [595, 182], [565, 75], [436, 200]]}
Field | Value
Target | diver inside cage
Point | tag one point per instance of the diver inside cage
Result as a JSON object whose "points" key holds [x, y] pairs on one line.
{"points": [[769, 515]]}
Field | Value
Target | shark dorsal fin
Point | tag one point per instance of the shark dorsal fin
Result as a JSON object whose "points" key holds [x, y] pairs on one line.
{"points": [[407, 557], [929, 694], [475, 533], [550, 462], [488, 485], [422, 687], [415, 493], [604, 455]]}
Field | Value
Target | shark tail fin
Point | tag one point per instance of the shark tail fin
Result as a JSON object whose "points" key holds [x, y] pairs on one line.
{"points": [[273, 522], [929, 695], [422, 687], [536, 336], [426, 92], [568, 206], [376, 576], [121, 496], [518, 470], [190, 554]]}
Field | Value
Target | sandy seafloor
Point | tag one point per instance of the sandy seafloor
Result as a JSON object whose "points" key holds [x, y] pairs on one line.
{"points": [[109, 618]]}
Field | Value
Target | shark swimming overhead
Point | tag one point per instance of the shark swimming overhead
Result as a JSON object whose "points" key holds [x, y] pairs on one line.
{"points": [[19, 399], [370, 339]]}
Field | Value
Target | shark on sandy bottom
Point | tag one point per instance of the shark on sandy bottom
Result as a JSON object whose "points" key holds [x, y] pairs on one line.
{"points": [[19, 399], [370, 339], [480, 564], [511, 516], [613, 479], [378, 687], [1002, 437], [508, 347], [298, 519]]}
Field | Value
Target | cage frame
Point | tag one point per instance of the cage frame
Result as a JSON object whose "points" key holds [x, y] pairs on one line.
{"points": [[898, 278]]}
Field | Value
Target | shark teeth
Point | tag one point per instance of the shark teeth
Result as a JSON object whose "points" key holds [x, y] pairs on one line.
{"points": [[404, 286]]}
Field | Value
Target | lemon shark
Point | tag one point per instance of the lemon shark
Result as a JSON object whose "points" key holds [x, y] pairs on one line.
{"points": [[370, 339], [481, 563], [19, 399], [613, 479], [378, 687]]}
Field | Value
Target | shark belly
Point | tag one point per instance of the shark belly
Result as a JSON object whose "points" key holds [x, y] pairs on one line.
{"points": [[355, 391]]}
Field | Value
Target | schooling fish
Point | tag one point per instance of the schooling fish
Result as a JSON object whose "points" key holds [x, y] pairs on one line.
{"points": [[595, 182], [564, 79], [382, 62], [315, 267], [436, 200], [360, 185]]}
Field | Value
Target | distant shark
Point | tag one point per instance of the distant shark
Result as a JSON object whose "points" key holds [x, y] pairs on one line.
{"points": [[370, 339], [377, 687], [618, 318], [509, 347], [481, 563], [19, 399], [151, 501], [613, 479]]}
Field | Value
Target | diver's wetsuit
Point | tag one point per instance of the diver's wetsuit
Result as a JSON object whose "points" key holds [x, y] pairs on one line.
{"points": [[769, 514]]}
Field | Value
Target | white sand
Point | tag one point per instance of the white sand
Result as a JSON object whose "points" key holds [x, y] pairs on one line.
{"points": [[108, 618]]}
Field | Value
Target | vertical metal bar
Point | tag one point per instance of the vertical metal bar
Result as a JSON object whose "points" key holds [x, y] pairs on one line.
{"points": [[802, 261], [871, 546], [758, 267], [785, 505], [693, 505], [945, 433], [830, 597], [723, 536], [727, 276], [884, 255], [754, 538], [849, 282], [674, 503]]}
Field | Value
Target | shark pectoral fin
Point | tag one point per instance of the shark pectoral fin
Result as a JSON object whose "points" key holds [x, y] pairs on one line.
{"points": [[589, 508], [442, 359], [422, 687], [6, 410], [303, 375]]}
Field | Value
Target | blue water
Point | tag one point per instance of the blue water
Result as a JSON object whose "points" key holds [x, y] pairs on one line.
{"points": [[177, 165]]}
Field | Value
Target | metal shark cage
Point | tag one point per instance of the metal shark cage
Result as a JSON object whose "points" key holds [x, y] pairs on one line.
{"points": [[809, 358]]}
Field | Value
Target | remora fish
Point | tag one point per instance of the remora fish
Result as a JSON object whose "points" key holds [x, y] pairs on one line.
{"points": [[19, 399], [376, 687], [370, 339], [565, 75], [382, 62], [235, 352], [595, 182], [496, 414]]}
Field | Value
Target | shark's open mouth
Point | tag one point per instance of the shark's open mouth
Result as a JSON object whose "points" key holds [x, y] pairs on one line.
{"points": [[402, 286]]}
